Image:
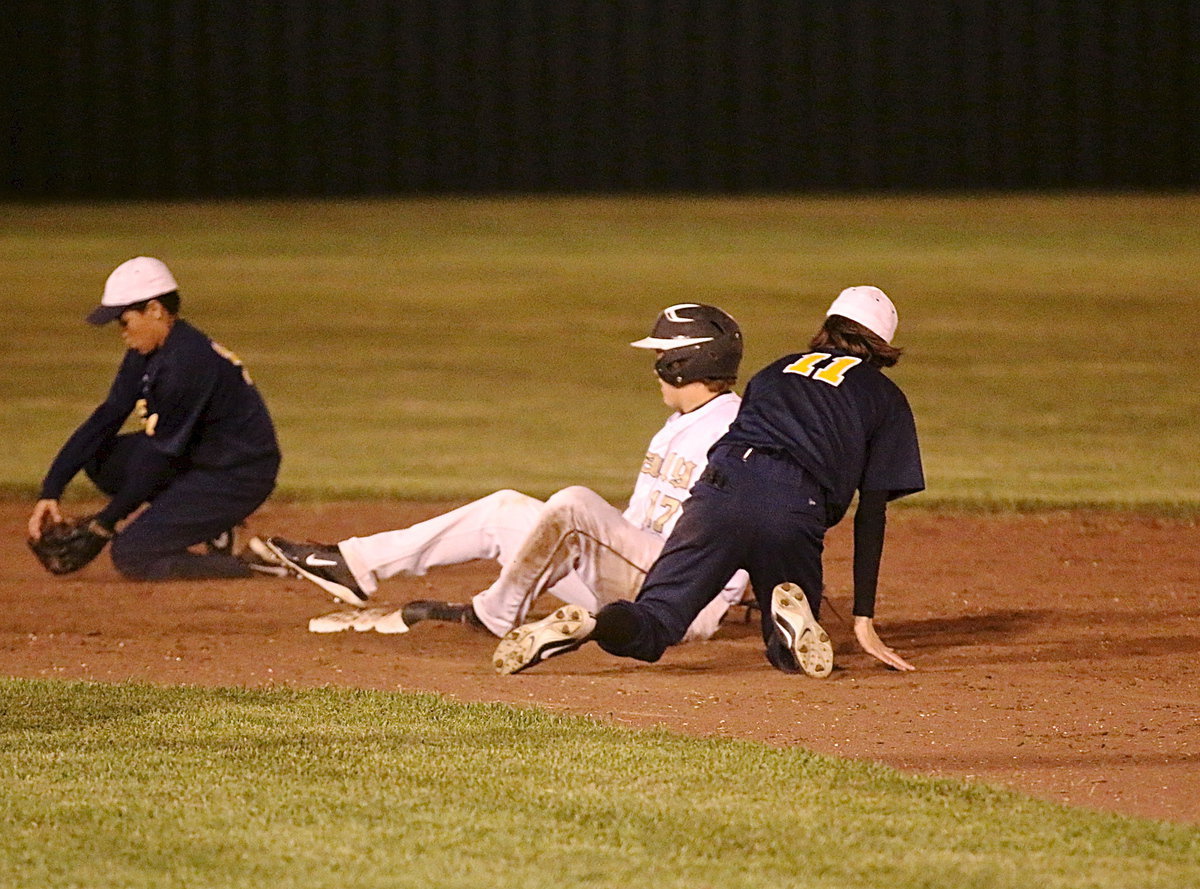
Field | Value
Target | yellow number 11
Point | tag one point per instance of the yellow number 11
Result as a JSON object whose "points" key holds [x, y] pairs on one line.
{"points": [[832, 373]]}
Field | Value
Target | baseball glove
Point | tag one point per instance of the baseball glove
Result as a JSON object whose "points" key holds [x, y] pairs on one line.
{"points": [[68, 546]]}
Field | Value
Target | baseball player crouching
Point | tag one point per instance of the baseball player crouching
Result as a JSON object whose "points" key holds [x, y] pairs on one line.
{"points": [[575, 545], [204, 458], [814, 428]]}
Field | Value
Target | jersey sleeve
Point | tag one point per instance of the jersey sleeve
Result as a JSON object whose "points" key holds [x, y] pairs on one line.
{"points": [[870, 523], [104, 422], [893, 458]]}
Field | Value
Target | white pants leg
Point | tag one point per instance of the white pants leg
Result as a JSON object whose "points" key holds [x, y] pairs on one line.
{"points": [[577, 531], [493, 527]]}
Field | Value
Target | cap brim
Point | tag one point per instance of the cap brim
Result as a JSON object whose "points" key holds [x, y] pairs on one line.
{"points": [[652, 342], [104, 314]]}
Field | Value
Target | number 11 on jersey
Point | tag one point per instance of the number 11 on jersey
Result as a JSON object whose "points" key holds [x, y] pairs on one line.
{"points": [[832, 373]]}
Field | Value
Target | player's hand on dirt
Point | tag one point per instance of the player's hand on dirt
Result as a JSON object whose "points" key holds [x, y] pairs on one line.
{"points": [[864, 631], [45, 512]]}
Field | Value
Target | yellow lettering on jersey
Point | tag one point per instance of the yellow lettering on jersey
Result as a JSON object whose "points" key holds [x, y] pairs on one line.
{"points": [[834, 372], [136, 421], [681, 473], [232, 358], [148, 420], [669, 506], [651, 502], [652, 465], [805, 364]]}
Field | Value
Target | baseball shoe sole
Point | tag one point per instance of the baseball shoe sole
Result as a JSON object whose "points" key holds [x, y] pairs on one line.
{"points": [[800, 632], [269, 570], [321, 564], [564, 630]]}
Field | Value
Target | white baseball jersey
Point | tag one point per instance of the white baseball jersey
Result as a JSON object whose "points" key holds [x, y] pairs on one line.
{"points": [[677, 455]]}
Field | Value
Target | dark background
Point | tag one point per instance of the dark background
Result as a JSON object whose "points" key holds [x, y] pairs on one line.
{"points": [[163, 98]]}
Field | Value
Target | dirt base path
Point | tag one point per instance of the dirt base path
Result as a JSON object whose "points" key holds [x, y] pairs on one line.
{"points": [[1056, 653]]}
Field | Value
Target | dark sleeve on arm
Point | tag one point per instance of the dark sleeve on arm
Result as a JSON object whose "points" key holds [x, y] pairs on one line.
{"points": [[149, 469], [81, 447], [102, 425], [870, 520]]}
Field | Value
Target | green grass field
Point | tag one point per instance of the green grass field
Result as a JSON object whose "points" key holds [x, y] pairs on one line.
{"points": [[444, 348], [139, 787], [447, 348]]}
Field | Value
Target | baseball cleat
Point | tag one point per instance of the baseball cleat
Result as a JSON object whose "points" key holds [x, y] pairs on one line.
{"points": [[799, 632], [564, 630], [259, 558], [223, 544], [322, 564], [451, 612], [780, 655]]}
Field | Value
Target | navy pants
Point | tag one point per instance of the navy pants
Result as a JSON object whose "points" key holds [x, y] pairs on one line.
{"points": [[195, 506], [749, 510]]}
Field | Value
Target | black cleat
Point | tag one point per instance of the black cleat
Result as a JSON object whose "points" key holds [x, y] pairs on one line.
{"points": [[321, 563], [780, 655], [451, 612], [223, 544], [259, 558]]}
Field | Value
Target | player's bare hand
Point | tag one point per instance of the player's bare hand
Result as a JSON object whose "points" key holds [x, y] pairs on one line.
{"points": [[44, 512], [864, 631]]}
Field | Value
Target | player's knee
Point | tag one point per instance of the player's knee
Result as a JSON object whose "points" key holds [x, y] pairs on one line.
{"points": [[507, 508], [571, 499], [507, 498]]}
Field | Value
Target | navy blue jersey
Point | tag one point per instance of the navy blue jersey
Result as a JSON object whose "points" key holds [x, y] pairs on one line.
{"points": [[837, 416], [196, 402]]}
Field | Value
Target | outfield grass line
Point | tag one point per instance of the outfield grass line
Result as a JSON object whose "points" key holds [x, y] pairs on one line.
{"points": [[1180, 511], [992, 505]]}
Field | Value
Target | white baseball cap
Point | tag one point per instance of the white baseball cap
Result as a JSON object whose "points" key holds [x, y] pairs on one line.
{"points": [[133, 281], [870, 307]]}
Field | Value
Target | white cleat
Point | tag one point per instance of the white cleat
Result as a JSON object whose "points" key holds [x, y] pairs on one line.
{"points": [[801, 633], [564, 630]]}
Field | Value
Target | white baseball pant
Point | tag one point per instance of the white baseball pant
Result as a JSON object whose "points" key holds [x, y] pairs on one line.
{"points": [[575, 545], [493, 527], [579, 533]]}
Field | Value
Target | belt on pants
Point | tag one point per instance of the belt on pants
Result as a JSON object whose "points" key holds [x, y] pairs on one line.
{"points": [[714, 475]]}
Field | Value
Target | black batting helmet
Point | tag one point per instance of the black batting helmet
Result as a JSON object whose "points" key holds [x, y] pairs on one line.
{"points": [[697, 342]]}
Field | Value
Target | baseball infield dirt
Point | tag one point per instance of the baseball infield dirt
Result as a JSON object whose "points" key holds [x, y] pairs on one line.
{"points": [[1056, 653]]}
